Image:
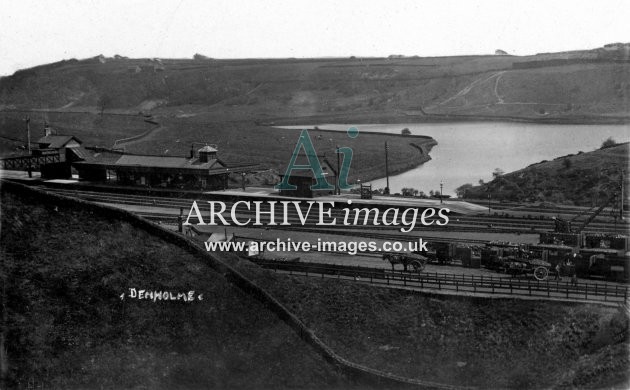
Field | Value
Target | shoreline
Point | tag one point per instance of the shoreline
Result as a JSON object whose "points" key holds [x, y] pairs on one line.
{"points": [[400, 117], [448, 118]]}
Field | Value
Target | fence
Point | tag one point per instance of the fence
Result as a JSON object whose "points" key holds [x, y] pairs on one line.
{"points": [[23, 163], [459, 283]]}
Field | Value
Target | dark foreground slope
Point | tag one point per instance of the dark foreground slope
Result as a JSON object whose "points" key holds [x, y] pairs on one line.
{"points": [[63, 271], [485, 343], [583, 179]]}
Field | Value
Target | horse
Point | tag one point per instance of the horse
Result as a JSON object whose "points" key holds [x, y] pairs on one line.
{"points": [[416, 261]]}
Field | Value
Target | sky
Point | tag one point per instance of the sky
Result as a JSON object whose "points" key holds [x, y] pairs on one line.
{"points": [[39, 32]]}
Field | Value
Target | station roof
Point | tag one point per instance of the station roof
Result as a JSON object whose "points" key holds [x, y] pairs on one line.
{"points": [[166, 162], [80, 153], [146, 163], [303, 173]]}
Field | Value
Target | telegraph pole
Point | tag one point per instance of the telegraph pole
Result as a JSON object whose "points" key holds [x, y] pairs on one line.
{"points": [[621, 190], [488, 201], [337, 188], [386, 168], [621, 199], [28, 133]]}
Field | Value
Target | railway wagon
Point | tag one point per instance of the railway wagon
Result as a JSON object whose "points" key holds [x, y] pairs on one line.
{"points": [[495, 254], [612, 241], [441, 252], [447, 252], [605, 263], [470, 256]]}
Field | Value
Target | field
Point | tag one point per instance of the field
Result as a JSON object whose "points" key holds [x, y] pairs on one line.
{"points": [[590, 84], [238, 142], [91, 129]]}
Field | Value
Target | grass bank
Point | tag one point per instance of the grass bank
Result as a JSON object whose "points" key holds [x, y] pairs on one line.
{"points": [[65, 325], [487, 343]]}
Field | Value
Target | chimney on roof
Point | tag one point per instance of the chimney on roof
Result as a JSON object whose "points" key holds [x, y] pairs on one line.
{"points": [[207, 153], [47, 129]]}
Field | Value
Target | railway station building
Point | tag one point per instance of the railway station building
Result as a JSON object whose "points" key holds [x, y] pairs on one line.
{"points": [[203, 170]]}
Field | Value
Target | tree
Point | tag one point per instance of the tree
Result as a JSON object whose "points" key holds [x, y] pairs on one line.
{"points": [[463, 189], [104, 101], [497, 172], [200, 57], [610, 142], [407, 191], [405, 131]]}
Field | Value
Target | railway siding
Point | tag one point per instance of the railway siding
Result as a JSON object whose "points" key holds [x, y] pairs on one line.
{"points": [[459, 223], [460, 284]]}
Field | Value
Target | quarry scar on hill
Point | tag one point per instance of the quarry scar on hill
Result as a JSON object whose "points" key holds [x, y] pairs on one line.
{"points": [[388, 217]]}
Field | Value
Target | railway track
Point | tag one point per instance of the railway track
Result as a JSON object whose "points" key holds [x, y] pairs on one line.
{"points": [[518, 207], [457, 223], [460, 284]]}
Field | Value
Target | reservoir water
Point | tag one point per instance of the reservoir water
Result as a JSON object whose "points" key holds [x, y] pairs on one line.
{"points": [[468, 152]]}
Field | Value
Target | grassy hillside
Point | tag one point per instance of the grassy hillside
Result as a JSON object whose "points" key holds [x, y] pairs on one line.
{"points": [[591, 84], [64, 325], [584, 179], [487, 343]]}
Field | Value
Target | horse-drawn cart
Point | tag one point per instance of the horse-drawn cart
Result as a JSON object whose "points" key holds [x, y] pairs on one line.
{"points": [[539, 269], [416, 261]]}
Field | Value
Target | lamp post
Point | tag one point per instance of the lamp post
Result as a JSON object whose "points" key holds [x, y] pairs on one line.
{"points": [[243, 180], [488, 201], [441, 185]]}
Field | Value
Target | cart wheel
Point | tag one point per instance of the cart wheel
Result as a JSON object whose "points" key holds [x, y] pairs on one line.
{"points": [[417, 266], [541, 273]]}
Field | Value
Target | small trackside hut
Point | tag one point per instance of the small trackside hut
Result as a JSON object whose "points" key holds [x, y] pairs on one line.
{"points": [[303, 182]]}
